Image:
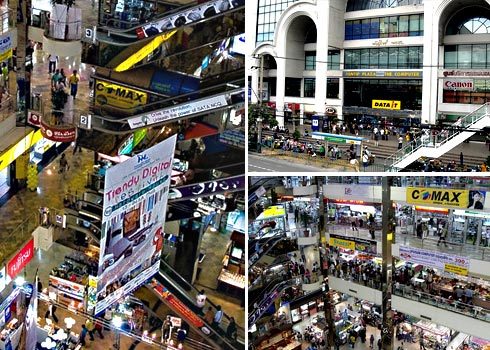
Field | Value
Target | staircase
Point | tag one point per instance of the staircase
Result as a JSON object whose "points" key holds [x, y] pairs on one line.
{"points": [[435, 146]]}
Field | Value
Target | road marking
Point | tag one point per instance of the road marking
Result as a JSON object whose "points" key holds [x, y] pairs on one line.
{"points": [[255, 166]]}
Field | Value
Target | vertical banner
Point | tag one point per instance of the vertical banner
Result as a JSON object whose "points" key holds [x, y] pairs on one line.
{"points": [[315, 123], [135, 202], [31, 317]]}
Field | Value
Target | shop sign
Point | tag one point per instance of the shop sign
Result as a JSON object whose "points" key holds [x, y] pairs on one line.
{"points": [[179, 111], [67, 287], [3, 279], [135, 203], [459, 84], [20, 147], [330, 110], [273, 211], [466, 73], [92, 292], [256, 195], [382, 74], [58, 133], [386, 104], [438, 196], [188, 16], [5, 47], [176, 321], [353, 243], [235, 183], [472, 213], [442, 261], [33, 118], [21, 259], [118, 96]]}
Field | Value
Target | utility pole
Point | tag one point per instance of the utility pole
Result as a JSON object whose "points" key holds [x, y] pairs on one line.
{"points": [[386, 271]]}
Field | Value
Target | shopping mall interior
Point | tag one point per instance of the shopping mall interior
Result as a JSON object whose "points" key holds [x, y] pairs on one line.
{"points": [[379, 262], [122, 175]]}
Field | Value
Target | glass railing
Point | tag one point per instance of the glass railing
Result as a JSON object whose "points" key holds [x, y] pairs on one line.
{"points": [[11, 241], [443, 303], [190, 292], [439, 139], [264, 247]]}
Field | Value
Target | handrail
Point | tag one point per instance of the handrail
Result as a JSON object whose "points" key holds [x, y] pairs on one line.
{"points": [[444, 303], [269, 243], [25, 229], [436, 141], [187, 284]]}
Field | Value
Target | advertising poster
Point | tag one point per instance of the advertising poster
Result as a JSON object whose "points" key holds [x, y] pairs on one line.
{"points": [[477, 200], [118, 96], [20, 260], [449, 263], [5, 47], [187, 16], [135, 202], [353, 243], [440, 196]]}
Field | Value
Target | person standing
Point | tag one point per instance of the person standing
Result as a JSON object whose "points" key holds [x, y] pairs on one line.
{"points": [[90, 328], [461, 159], [442, 236], [166, 327], [209, 315], [83, 334], [201, 300], [371, 341], [73, 81], [63, 164], [5, 75], [400, 142], [218, 316], [98, 328], [53, 59]]}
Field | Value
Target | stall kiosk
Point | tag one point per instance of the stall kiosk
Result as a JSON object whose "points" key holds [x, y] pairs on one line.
{"points": [[261, 227], [232, 276]]}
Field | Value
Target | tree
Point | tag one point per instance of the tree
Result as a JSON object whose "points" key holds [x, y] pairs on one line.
{"points": [[265, 112]]}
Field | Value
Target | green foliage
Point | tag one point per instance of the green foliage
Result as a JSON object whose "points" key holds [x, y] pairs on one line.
{"points": [[296, 135], [264, 112]]}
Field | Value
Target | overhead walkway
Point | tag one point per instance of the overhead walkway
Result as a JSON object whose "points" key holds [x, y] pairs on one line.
{"points": [[179, 295], [120, 32], [434, 146]]}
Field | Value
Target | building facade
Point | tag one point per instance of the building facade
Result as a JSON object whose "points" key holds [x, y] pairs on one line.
{"points": [[402, 61]]}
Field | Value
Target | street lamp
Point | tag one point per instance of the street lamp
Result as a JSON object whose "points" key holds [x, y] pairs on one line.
{"points": [[117, 322]]}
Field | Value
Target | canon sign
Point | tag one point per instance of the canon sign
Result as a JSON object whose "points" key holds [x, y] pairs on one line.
{"points": [[459, 84]]}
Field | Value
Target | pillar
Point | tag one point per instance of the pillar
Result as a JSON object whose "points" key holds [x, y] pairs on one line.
{"points": [[430, 64], [323, 10]]}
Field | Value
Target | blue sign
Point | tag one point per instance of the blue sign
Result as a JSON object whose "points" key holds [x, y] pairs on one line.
{"points": [[315, 123]]}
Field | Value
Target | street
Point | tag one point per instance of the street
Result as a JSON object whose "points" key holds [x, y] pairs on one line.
{"points": [[258, 163]]}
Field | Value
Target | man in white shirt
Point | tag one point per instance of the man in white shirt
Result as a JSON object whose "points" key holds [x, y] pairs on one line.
{"points": [[53, 59]]}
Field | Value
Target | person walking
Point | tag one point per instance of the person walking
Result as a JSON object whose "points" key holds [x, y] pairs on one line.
{"points": [[231, 330], [83, 334], [166, 327], [218, 316], [90, 328], [73, 81], [400, 142], [52, 59], [442, 236], [380, 344], [371, 341], [51, 312], [5, 75], [98, 328], [63, 164], [201, 301], [209, 316]]}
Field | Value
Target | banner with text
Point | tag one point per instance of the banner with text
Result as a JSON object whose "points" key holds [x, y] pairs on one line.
{"points": [[438, 196], [449, 263], [118, 96], [135, 202], [353, 243]]}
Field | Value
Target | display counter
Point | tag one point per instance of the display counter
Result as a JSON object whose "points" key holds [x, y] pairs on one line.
{"points": [[434, 333], [10, 334], [232, 276]]}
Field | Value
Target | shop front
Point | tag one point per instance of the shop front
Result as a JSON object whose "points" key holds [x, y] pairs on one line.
{"points": [[347, 212], [231, 279], [271, 219]]}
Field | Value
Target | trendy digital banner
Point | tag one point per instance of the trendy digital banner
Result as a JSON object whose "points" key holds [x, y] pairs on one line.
{"points": [[179, 111], [135, 202], [449, 198], [118, 96], [188, 16], [449, 263], [208, 188], [353, 243]]}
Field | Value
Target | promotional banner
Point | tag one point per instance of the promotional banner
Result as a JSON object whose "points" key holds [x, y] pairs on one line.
{"points": [[135, 202], [476, 200], [440, 196], [208, 188], [179, 111], [353, 243], [58, 133], [386, 104], [72, 289], [31, 317], [21, 259], [187, 16], [118, 96], [3, 279], [445, 262], [5, 47]]}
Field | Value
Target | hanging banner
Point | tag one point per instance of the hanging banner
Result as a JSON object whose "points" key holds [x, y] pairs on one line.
{"points": [[135, 203], [118, 96], [58, 133], [21, 259], [353, 243], [449, 263], [5, 47], [3, 279], [235, 183], [439, 196]]}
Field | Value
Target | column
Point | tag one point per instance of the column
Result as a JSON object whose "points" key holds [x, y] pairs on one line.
{"points": [[254, 85], [280, 90], [430, 64], [323, 8]]}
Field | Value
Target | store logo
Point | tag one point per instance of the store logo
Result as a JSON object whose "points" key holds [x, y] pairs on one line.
{"points": [[437, 196], [142, 158]]}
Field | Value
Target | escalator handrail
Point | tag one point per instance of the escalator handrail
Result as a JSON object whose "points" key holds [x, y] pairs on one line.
{"points": [[91, 223], [278, 236], [195, 289], [269, 287]]}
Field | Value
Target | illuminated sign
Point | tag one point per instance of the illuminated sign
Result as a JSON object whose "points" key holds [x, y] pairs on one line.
{"points": [[382, 74], [21, 259], [234, 183], [179, 111], [386, 104], [353, 243], [144, 52], [438, 196], [118, 96], [431, 209], [20, 147], [58, 133], [459, 84]]}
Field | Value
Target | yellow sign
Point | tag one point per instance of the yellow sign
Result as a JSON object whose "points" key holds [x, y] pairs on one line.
{"points": [[144, 51], [439, 196], [5, 55], [273, 212], [458, 270], [386, 104], [118, 96], [342, 243], [20, 147]]}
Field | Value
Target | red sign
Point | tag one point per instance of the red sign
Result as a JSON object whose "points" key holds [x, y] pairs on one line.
{"points": [[59, 133], [34, 118], [21, 259]]}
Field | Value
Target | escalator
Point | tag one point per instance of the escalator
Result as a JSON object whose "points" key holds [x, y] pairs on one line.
{"points": [[121, 32], [180, 296], [259, 248], [75, 221], [267, 296]]}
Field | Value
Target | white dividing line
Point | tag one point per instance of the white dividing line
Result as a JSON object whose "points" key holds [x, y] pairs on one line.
{"points": [[259, 167]]}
